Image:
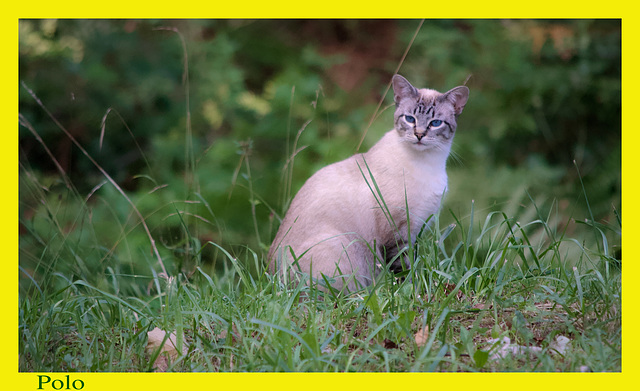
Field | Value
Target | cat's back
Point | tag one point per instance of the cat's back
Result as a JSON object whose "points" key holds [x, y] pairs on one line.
{"points": [[351, 178], [329, 188]]}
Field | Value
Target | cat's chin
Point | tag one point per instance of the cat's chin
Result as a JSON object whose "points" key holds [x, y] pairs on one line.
{"points": [[420, 146]]}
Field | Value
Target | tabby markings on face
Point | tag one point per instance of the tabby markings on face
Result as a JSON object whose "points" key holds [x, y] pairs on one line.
{"points": [[423, 121]]}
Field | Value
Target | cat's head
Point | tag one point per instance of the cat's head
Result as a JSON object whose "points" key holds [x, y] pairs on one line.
{"points": [[426, 118]]}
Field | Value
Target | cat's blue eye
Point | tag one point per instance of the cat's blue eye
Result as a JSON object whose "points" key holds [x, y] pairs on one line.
{"points": [[435, 123], [410, 119]]}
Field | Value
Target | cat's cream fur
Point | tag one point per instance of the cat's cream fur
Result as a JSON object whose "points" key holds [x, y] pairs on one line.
{"points": [[351, 215]]}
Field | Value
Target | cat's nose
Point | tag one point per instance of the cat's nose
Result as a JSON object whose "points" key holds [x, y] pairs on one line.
{"points": [[420, 135]]}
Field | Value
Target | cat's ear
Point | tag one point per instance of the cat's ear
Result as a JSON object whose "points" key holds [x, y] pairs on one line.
{"points": [[458, 96], [403, 89]]}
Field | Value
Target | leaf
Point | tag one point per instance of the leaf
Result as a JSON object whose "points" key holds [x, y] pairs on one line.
{"points": [[422, 336], [310, 338], [483, 306], [405, 320], [480, 357]]}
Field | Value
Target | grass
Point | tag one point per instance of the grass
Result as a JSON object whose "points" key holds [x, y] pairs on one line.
{"points": [[482, 278]]}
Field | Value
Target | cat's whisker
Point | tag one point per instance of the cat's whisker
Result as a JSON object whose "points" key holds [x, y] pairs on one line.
{"points": [[455, 156]]}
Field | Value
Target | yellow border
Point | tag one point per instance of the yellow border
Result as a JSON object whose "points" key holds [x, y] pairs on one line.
{"points": [[249, 9], [294, 9], [629, 100]]}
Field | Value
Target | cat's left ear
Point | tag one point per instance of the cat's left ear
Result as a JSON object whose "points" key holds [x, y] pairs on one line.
{"points": [[458, 96]]}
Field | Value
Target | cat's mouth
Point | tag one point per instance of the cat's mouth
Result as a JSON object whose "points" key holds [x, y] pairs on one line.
{"points": [[426, 144], [422, 146], [423, 142]]}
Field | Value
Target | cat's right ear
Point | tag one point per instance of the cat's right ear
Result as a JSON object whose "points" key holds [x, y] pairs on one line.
{"points": [[402, 89]]}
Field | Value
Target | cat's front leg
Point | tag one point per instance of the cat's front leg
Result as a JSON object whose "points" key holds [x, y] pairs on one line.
{"points": [[396, 257]]}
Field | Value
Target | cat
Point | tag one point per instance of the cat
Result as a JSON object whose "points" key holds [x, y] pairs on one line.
{"points": [[352, 214]]}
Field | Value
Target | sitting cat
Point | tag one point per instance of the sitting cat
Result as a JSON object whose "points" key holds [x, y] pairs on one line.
{"points": [[352, 214]]}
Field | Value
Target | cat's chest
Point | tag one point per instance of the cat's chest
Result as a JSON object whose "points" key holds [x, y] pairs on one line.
{"points": [[421, 188], [424, 187]]}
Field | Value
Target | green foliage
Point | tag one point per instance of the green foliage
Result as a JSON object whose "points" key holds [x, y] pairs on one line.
{"points": [[209, 127]]}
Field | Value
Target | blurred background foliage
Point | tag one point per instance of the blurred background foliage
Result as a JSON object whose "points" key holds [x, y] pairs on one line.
{"points": [[201, 144]]}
